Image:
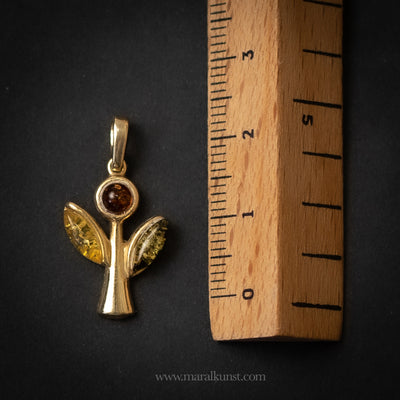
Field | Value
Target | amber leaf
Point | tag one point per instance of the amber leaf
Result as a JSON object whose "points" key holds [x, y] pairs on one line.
{"points": [[146, 243], [151, 242], [84, 233]]}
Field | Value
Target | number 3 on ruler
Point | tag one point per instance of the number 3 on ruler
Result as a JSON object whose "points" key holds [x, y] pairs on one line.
{"points": [[249, 53]]}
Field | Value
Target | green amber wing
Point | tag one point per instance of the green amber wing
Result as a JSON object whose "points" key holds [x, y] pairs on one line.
{"points": [[85, 234], [145, 243]]}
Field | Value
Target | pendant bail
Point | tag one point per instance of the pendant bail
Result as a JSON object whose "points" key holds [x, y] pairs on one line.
{"points": [[118, 136]]}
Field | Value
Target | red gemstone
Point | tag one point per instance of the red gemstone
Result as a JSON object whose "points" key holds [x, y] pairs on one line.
{"points": [[117, 198]]}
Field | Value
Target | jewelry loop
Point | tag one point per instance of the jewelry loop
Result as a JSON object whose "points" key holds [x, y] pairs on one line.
{"points": [[112, 172], [118, 136]]}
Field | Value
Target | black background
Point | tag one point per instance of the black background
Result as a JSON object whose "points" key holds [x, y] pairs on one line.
{"points": [[66, 69]]}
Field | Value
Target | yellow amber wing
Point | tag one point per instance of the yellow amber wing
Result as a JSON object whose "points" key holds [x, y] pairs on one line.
{"points": [[145, 244], [85, 234]]}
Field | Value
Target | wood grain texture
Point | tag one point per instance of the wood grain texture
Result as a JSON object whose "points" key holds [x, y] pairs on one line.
{"points": [[276, 192]]}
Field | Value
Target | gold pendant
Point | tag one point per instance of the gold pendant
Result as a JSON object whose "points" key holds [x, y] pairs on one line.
{"points": [[116, 199]]}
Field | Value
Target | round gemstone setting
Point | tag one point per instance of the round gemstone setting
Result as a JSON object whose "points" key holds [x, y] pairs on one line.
{"points": [[117, 198]]}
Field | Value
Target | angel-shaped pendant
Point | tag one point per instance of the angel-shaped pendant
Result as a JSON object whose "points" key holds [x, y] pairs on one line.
{"points": [[116, 199]]}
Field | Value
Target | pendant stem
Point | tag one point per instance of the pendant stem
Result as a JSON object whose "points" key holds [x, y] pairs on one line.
{"points": [[115, 301]]}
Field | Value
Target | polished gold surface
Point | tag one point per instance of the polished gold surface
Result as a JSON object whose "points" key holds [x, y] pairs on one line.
{"points": [[121, 259], [119, 137]]}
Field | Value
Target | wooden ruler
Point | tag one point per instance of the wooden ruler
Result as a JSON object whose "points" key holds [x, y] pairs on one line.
{"points": [[275, 169]]}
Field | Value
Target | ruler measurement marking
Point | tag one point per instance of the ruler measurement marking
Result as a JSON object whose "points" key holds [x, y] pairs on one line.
{"points": [[326, 155], [332, 307], [318, 103], [320, 205], [220, 20], [217, 145], [218, 194], [223, 137], [219, 67], [223, 58], [218, 169], [222, 256], [224, 216], [223, 295], [221, 177], [218, 272], [217, 36], [334, 257], [217, 4], [220, 138], [219, 154], [218, 233], [322, 53], [221, 98], [217, 28], [324, 3]]}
